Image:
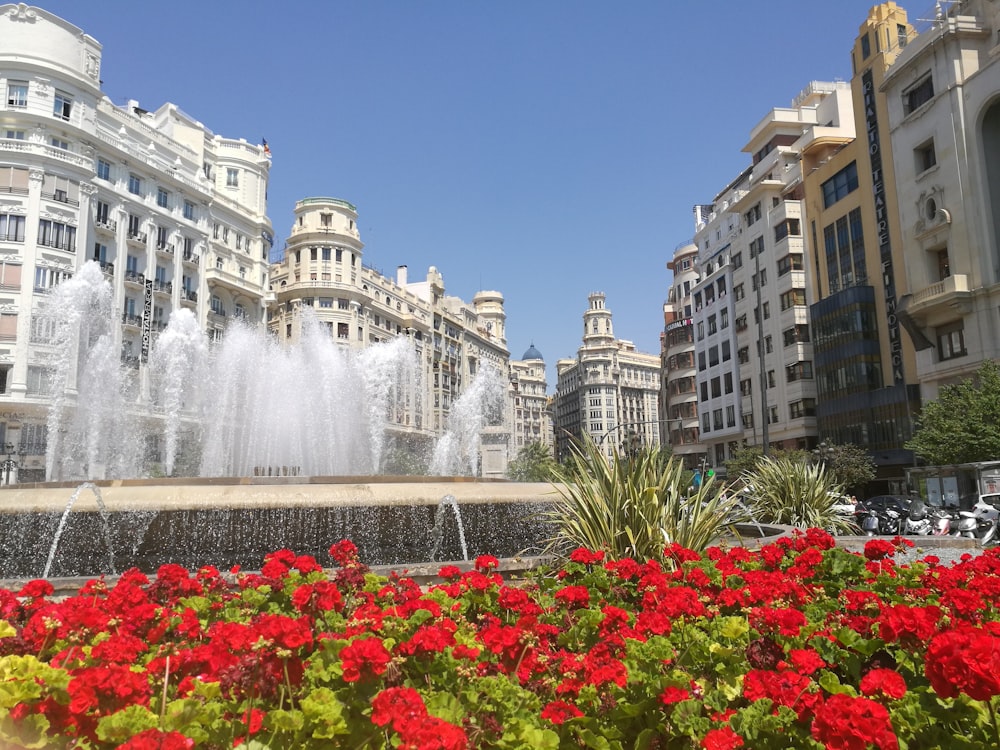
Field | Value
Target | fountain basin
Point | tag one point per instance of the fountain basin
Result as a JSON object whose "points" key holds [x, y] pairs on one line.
{"points": [[236, 521]]}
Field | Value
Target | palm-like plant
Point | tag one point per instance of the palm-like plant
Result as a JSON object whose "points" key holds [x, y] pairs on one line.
{"points": [[633, 506], [795, 493]]}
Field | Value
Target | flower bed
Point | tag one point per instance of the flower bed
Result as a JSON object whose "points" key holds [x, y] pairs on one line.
{"points": [[798, 644]]}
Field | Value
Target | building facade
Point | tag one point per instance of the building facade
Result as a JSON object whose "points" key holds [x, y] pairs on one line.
{"points": [[531, 421], [610, 392], [942, 111], [174, 214], [322, 277], [678, 368], [864, 359]]}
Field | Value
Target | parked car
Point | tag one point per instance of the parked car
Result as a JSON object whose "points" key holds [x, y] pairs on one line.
{"points": [[844, 504]]}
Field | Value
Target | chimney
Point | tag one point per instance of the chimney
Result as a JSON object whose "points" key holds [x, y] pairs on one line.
{"points": [[401, 276]]}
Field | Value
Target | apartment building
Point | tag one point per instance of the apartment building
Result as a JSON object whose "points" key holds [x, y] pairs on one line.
{"points": [[750, 306], [322, 277], [532, 417], [678, 369], [942, 110], [174, 214], [865, 364], [610, 392]]}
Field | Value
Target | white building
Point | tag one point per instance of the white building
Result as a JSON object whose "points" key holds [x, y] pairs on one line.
{"points": [[532, 419], [175, 214], [323, 271], [943, 99], [610, 392], [678, 366]]}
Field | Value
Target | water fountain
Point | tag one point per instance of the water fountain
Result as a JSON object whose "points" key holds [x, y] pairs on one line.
{"points": [[285, 446]]}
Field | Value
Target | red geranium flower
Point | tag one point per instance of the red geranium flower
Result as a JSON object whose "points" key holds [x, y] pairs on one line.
{"points": [[560, 711], [486, 563], [365, 657], [156, 739], [965, 660], [887, 682], [722, 739], [846, 723]]}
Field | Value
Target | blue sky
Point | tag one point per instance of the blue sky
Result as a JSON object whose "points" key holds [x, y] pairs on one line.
{"points": [[544, 149]]}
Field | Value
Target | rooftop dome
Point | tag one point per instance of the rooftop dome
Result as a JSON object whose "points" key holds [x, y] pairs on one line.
{"points": [[532, 353]]}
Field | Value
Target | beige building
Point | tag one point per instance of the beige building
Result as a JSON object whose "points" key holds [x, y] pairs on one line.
{"points": [[942, 113], [678, 368], [174, 214], [610, 392], [864, 360], [532, 418], [323, 272]]}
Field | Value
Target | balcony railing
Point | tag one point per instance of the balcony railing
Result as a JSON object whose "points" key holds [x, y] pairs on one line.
{"points": [[189, 295], [959, 283], [135, 277], [136, 236], [108, 268], [165, 247], [166, 287], [190, 257], [60, 196], [130, 319], [109, 225]]}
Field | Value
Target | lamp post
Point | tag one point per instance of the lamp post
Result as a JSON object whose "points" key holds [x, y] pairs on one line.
{"points": [[10, 465]]}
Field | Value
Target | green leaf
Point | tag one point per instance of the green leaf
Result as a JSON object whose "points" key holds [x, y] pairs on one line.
{"points": [[121, 725]]}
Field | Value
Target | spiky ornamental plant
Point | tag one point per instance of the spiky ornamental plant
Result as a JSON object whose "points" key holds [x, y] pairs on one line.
{"points": [[633, 506], [796, 493]]}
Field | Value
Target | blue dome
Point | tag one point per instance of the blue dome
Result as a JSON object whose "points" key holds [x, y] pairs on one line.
{"points": [[532, 353]]}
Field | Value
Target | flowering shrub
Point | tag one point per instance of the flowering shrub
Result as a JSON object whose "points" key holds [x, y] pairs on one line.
{"points": [[798, 644]]}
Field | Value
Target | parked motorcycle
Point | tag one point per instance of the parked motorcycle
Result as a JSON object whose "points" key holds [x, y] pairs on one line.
{"points": [[925, 521], [879, 521]]}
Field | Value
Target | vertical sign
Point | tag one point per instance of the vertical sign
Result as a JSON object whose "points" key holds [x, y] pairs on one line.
{"points": [[882, 226], [147, 320]]}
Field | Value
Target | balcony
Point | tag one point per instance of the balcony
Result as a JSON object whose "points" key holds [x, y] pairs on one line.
{"points": [[60, 196], [189, 296], [130, 362], [131, 320], [108, 268], [139, 238], [105, 224], [218, 276], [163, 287], [190, 257], [134, 277], [165, 248], [939, 302]]}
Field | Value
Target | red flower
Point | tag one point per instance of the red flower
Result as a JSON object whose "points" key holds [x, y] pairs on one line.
{"points": [[671, 695], [846, 723], [964, 660], [722, 739], [878, 549], [584, 556], [36, 589], [344, 553], [399, 705], [574, 597], [363, 658], [560, 711], [887, 682], [785, 688], [486, 563], [806, 660], [156, 739]]}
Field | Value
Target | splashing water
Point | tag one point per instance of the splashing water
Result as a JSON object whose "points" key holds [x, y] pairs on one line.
{"points": [[105, 525], [437, 533], [457, 452]]}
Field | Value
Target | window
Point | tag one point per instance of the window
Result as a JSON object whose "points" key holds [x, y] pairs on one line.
{"points": [[103, 169], [756, 246], [792, 298], [701, 361], [866, 47], [325, 220], [712, 327], [746, 387], [730, 417], [11, 228], [14, 135], [770, 379], [738, 292], [727, 381], [840, 185], [924, 156], [918, 94], [162, 198], [752, 215], [326, 254], [724, 319], [716, 387], [701, 330], [767, 310], [59, 143], [786, 228], [743, 355], [795, 335], [804, 408], [62, 105], [133, 226], [790, 263], [56, 234], [232, 177], [189, 210], [799, 371], [135, 184], [216, 305], [713, 356], [162, 234], [17, 94], [951, 341], [717, 419], [704, 391], [737, 260]]}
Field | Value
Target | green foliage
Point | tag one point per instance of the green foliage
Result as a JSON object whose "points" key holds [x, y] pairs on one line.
{"points": [[534, 463], [795, 493], [634, 506], [850, 465], [963, 424], [746, 458]]}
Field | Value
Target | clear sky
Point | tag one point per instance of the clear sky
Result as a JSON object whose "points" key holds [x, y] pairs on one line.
{"points": [[544, 149]]}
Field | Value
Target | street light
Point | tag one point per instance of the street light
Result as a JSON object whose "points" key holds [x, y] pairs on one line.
{"points": [[10, 465]]}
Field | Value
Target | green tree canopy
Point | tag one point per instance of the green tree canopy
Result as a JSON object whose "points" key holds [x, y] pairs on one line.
{"points": [[963, 424], [849, 465], [534, 463]]}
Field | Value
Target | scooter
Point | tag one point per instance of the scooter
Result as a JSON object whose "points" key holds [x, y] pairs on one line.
{"points": [[926, 521]]}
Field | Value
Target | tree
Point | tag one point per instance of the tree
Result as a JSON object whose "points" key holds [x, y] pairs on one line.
{"points": [[534, 463], [963, 424], [848, 464], [746, 458]]}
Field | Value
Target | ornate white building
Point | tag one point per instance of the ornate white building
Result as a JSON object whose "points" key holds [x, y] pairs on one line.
{"points": [[323, 271], [610, 393], [175, 214], [942, 93], [532, 418]]}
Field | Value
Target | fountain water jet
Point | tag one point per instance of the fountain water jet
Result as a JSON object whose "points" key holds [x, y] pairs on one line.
{"points": [[62, 525], [438, 532]]}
